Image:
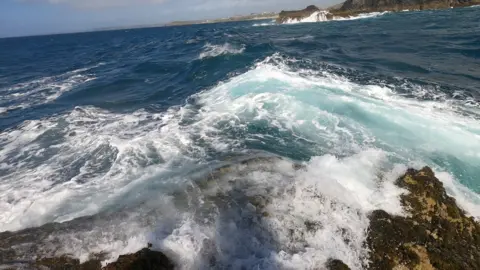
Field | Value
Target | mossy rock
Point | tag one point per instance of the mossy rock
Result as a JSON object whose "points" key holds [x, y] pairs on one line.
{"points": [[436, 234]]}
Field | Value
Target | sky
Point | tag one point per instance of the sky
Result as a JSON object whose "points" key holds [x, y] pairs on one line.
{"points": [[36, 17]]}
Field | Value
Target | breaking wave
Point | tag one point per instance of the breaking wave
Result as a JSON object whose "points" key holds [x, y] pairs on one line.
{"points": [[318, 16], [322, 16], [180, 179]]}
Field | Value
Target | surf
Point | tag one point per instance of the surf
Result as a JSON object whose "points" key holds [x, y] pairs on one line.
{"points": [[351, 141]]}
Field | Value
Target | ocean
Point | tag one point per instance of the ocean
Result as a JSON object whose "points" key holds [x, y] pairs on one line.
{"points": [[243, 145]]}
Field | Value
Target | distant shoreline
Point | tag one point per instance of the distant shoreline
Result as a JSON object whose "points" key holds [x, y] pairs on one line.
{"points": [[252, 17]]}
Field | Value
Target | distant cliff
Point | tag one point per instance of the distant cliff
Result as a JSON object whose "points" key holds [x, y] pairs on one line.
{"points": [[397, 5], [355, 7]]}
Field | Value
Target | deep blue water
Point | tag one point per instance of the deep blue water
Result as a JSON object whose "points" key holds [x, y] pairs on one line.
{"points": [[98, 122]]}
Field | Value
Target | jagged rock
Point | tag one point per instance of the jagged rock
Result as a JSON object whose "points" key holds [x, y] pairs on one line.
{"points": [[296, 14], [437, 234]]}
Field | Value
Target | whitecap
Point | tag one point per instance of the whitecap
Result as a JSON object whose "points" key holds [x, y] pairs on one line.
{"points": [[214, 50]]}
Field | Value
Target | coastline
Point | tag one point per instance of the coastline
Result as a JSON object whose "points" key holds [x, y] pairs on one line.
{"points": [[434, 234], [255, 17]]}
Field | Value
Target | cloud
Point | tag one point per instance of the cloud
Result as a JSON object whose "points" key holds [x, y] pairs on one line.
{"points": [[97, 3]]}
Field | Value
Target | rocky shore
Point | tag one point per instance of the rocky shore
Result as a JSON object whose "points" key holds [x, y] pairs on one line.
{"points": [[434, 234], [354, 7]]}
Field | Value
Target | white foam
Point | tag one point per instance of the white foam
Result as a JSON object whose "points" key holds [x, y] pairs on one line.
{"points": [[465, 198], [214, 50], [318, 16], [264, 24], [362, 16], [314, 214], [84, 161], [322, 16]]}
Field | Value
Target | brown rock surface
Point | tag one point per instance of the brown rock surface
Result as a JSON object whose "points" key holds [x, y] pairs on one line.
{"points": [[437, 234]]}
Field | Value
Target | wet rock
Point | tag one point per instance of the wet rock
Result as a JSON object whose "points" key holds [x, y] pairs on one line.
{"points": [[334, 264], [65, 262], [296, 14], [145, 259], [436, 234]]}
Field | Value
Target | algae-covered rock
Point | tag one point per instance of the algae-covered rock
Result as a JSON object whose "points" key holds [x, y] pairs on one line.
{"points": [[436, 234]]}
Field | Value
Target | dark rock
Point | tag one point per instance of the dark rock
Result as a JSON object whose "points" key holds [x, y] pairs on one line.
{"points": [[65, 262], [296, 14], [436, 235], [398, 5], [145, 259], [334, 264]]}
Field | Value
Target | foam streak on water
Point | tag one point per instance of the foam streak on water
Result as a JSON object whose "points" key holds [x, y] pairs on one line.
{"points": [[42, 90], [213, 50]]}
